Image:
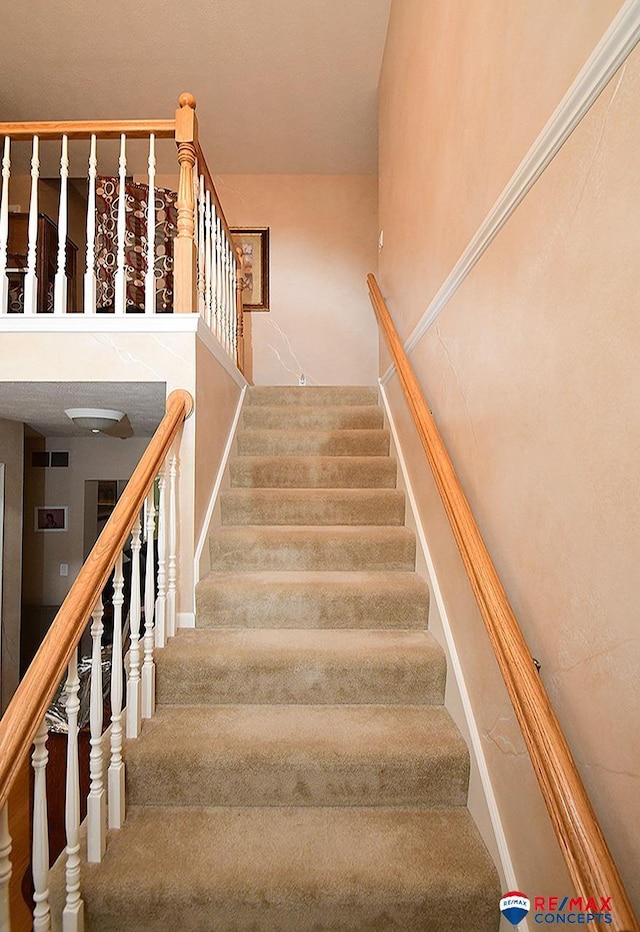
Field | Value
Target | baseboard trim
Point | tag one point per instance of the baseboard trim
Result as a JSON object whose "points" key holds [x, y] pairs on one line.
{"points": [[611, 52], [185, 619], [204, 533], [456, 667]]}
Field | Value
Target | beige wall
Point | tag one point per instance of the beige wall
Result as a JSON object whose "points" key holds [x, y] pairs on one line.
{"points": [[11, 454], [531, 372], [323, 243]]}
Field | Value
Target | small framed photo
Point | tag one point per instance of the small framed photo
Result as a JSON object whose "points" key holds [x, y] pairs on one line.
{"points": [[254, 243], [51, 518]]}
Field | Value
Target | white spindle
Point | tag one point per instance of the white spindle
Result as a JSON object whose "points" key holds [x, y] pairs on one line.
{"points": [[150, 278], [4, 226], [207, 260], [40, 847], [225, 293], [161, 601], [90, 271], [60, 281], [218, 277], [202, 276], [5, 869], [234, 309], [134, 706], [116, 766], [173, 534], [149, 667], [96, 802], [73, 913], [31, 279], [120, 281]]}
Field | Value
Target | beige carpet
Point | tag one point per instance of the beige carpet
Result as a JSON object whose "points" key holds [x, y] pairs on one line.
{"points": [[301, 773]]}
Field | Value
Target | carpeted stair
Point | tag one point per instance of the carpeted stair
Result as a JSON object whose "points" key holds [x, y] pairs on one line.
{"points": [[301, 773]]}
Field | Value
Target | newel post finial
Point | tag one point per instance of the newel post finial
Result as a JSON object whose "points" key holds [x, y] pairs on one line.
{"points": [[184, 277], [187, 100]]}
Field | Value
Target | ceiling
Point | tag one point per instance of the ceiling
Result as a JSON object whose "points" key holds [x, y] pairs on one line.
{"points": [[41, 405], [282, 86]]}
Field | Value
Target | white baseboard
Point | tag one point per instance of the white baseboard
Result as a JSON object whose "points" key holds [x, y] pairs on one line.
{"points": [[204, 532], [186, 620], [455, 666]]}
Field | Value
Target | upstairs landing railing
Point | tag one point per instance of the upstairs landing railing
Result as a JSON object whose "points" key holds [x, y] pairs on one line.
{"points": [[145, 516], [579, 835], [206, 266]]}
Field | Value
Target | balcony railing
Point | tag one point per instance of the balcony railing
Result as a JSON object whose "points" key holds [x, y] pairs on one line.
{"points": [[146, 249]]}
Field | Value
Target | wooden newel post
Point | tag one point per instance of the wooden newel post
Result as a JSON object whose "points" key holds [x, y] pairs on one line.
{"points": [[239, 309], [184, 269]]}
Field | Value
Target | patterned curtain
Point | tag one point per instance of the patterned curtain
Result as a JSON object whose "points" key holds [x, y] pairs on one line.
{"points": [[136, 201]]}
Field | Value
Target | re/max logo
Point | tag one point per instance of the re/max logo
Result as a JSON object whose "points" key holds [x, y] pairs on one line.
{"points": [[572, 904]]}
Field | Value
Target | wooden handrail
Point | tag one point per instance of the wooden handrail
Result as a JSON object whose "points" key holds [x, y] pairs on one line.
{"points": [[36, 690], [585, 851], [84, 129]]}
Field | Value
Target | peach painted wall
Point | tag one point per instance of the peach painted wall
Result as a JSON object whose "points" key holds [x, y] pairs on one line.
{"points": [[531, 372], [12, 455], [323, 243]]}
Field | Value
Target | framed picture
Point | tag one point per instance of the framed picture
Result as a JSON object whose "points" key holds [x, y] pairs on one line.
{"points": [[254, 243], [50, 518]]}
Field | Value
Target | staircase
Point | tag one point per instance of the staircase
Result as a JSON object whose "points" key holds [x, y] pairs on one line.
{"points": [[301, 772]]}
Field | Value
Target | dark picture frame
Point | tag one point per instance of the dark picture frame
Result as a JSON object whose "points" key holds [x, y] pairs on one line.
{"points": [[51, 518], [254, 242]]}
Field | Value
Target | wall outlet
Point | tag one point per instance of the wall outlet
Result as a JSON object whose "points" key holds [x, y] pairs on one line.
{"points": [[64, 569]]}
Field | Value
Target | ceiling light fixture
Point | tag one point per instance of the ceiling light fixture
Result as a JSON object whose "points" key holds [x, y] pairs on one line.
{"points": [[96, 420]]}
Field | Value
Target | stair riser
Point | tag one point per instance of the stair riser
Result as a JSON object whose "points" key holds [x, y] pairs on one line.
{"points": [[296, 779], [257, 605], [290, 506], [311, 551], [328, 472], [215, 681], [301, 418], [323, 395], [257, 442]]}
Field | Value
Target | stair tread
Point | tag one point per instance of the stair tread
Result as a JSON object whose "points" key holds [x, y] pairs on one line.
{"points": [[352, 547], [310, 395], [313, 471], [240, 868], [320, 507], [312, 442], [352, 417], [313, 598], [286, 665]]}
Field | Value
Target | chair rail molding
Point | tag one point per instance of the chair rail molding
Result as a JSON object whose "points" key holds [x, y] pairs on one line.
{"points": [[611, 52]]}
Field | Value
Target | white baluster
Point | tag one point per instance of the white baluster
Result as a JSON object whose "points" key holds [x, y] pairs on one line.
{"points": [[40, 846], [207, 260], [149, 667], [31, 279], [116, 766], [161, 601], [150, 278], [202, 275], [4, 226], [90, 271], [225, 297], [234, 308], [134, 706], [120, 281], [60, 281], [173, 534], [5, 869], [73, 913], [230, 293], [218, 277], [96, 802]]}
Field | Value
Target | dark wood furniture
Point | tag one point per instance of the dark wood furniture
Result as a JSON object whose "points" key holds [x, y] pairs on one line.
{"points": [[46, 263]]}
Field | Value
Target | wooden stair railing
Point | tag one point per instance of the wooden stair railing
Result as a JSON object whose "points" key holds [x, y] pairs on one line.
{"points": [[22, 724], [579, 835], [207, 269]]}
